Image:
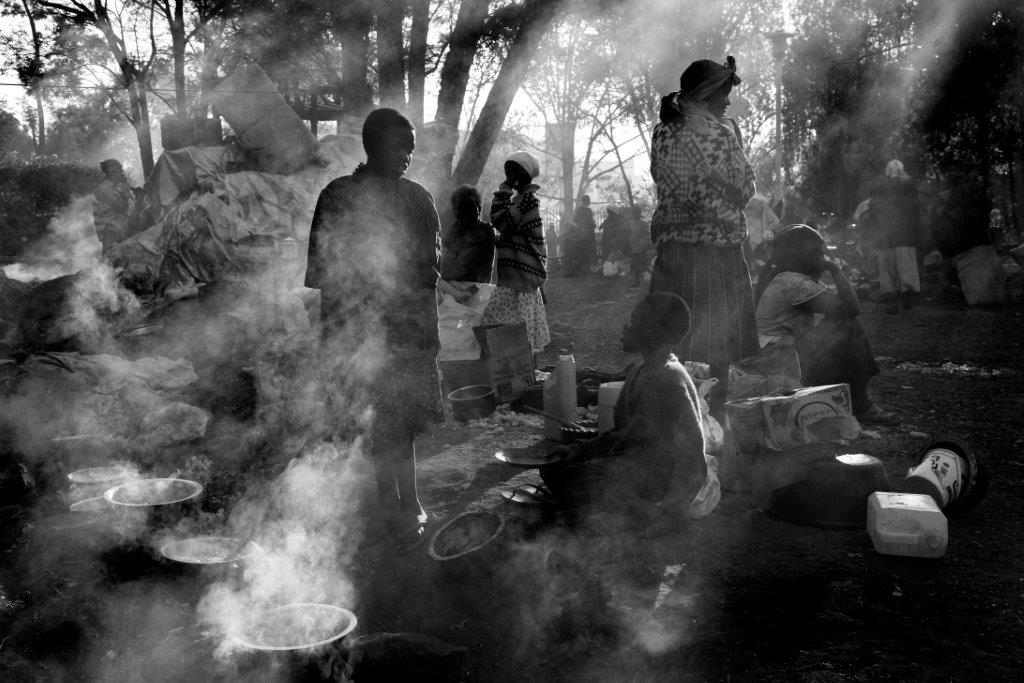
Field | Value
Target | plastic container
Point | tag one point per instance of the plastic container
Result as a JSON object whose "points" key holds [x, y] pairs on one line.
{"points": [[607, 395], [907, 524], [560, 396]]}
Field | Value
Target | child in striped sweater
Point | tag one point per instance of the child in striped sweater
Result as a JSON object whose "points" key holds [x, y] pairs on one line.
{"points": [[522, 254]]}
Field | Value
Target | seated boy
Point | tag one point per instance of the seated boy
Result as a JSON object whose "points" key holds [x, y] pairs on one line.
{"points": [[655, 453]]}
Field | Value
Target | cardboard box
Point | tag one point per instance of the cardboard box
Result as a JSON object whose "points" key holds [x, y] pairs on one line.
{"points": [[506, 362], [463, 373], [779, 422], [506, 348]]}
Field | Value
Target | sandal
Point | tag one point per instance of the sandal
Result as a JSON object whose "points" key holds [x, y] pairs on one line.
{"points": [[530, 494], [875, 415]]}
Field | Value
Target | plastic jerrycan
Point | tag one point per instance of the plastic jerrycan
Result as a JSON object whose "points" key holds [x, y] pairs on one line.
{"points": [[560, 395], [909, 524]]}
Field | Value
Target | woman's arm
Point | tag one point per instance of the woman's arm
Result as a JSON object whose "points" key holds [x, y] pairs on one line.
{"points": [[843, 305]]}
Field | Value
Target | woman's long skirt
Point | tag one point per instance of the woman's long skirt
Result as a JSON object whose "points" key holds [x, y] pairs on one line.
{"points": [[509, 306], [715, 283]]}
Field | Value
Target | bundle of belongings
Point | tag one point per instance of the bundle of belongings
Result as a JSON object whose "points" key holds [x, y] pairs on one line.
{"points": [[774, 438]]}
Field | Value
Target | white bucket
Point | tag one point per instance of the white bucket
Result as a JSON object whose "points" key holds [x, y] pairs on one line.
{"points": [[941, 474], [607, 396]]}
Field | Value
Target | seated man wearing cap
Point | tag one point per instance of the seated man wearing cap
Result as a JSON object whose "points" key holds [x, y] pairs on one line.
{"points": [[655, 453]]}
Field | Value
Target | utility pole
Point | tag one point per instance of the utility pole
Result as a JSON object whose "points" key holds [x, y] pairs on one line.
{"points": [[779, 40]]}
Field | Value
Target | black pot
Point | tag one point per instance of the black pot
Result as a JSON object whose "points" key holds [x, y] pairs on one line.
{"points": [[472, 402]]}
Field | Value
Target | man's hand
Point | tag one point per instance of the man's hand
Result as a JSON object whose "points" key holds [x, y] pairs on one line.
{"points": [[562, 454]]}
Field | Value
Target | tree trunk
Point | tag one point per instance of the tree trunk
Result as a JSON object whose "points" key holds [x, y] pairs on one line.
{"points": [[37, 52], [177, 28], [568, 153], [390, 54], [207, 78], [622, 170], [418, 59], [353, 22], [41, 121], [455, 72], [140, 121], [538, 15]]}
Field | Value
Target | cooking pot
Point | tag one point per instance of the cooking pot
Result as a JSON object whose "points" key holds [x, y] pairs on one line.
{"points": [[472, 402]]}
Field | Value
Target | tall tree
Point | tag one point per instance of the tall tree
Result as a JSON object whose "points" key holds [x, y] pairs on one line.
{"points": [[352, 22], [535, 19], [462, 46], [173, 11], [129, 37], [390, 16], [418, 59], [29, 63]]}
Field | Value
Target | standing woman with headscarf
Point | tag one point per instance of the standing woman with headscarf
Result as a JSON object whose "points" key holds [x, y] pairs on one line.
{"points": [[894, 222], [704, 181]]}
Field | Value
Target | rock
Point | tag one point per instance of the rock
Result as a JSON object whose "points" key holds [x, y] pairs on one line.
{"points": [[918, 435], [405, 656]]}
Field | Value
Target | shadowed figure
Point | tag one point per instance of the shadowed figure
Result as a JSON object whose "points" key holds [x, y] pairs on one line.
{"points": [[704, 181], [655, 452], [790, 293], [373, 254]]}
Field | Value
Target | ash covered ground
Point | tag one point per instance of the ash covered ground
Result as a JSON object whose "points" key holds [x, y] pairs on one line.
{"points": [[735, 595]]}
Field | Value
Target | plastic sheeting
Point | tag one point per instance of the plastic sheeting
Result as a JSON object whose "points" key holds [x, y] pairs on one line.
{"points": [[216, 227], [980, 272], [265, 124]]}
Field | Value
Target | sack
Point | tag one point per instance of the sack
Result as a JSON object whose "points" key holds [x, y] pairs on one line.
{"points": [[455, 324], [707, 499], [980, 275]]}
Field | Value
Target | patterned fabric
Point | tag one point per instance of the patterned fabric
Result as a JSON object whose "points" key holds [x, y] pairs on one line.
{"points": [[508, 306], [897, 270], [715, 283], [522, 252], [704, 181], [777, 314], [406, 400]]}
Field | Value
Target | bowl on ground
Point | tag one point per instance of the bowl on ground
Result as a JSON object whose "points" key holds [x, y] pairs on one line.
{"points": [[834, 493], [161, 501], [295, 626], [93, 481], [468, 543]]}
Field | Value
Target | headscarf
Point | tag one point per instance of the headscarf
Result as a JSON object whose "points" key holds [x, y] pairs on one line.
{"points": [[894, 169], [692, 103], [713, 76], [786, 249], [526, 161]]}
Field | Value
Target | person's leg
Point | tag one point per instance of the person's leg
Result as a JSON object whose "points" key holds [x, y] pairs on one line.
{"points": [[837, 354], [403, 459], [718, 394], [636, 268], [888, 282]]}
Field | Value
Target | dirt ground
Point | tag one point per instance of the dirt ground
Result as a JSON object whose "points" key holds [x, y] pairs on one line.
{"points": [[738, 595]]}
